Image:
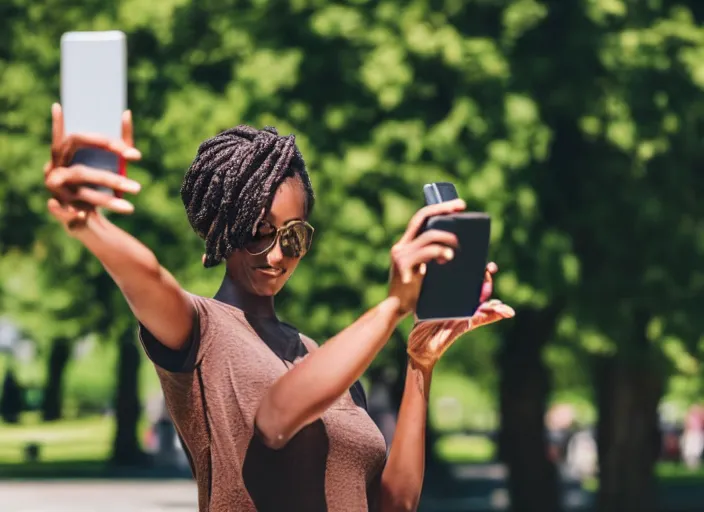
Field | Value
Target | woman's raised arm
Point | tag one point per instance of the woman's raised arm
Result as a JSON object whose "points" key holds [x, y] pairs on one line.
{"points": [[154, 296]]}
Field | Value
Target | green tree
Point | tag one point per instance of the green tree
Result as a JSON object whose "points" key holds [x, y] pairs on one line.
{"points": [[622, 98]]}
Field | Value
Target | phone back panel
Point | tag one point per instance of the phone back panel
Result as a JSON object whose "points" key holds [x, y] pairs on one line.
{"points": [[453, 290], [94, 89]]}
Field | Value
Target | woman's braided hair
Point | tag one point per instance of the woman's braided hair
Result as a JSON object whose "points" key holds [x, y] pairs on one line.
{"points": [[231, 184]]}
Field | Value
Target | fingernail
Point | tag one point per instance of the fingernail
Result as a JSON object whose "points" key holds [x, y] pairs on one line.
{"points": [[132, 153], [122, 205], [449, 254], [131, 186]]}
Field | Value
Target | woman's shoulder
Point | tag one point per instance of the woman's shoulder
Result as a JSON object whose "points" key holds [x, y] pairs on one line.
{"points": [[211, 311]]}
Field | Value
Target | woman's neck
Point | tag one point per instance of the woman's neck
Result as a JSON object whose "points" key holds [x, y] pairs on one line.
{"points": [[234, 295]]}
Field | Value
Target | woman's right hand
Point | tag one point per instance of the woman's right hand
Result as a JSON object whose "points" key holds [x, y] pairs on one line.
{"points": [[74, 196], [410, 255]]}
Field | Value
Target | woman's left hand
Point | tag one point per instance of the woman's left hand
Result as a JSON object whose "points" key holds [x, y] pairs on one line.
{"points": [[430, 339]]}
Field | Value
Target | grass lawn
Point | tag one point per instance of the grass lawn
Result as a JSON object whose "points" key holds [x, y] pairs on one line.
{"points": [[78, 440], [461, 449], [66, 448], [72, 443], [82, 446], [674, 472], [465, 449]]}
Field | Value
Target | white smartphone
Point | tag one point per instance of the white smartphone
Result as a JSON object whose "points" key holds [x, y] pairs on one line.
{"points": [[94, 91]]}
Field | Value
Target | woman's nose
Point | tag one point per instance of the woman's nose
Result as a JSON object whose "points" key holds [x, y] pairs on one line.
{"points": [[275, 255]]}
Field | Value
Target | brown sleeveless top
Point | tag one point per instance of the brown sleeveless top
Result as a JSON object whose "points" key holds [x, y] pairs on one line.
{"points": [[212, 390]]}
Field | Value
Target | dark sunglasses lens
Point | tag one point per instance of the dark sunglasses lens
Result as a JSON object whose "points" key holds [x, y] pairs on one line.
{"points": [[296, 240], [260, 243]]}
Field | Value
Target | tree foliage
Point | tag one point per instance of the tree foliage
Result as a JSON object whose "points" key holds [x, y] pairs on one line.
{"points": [[574, 124]]}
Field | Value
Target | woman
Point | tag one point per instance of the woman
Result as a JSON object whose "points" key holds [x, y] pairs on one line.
{"points": [[269, 420]]}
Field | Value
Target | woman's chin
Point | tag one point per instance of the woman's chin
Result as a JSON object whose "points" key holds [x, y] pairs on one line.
{"points": [[265, 283], [269, 288]]}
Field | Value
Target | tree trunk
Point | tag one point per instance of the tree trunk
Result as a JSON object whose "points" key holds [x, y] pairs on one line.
{"points": [[11, 399], [628, 394], [53, 389], [524, 386], [126, 447]]}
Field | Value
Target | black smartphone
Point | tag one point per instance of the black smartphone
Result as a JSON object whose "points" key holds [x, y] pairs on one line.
{"points": [[453, 290]]}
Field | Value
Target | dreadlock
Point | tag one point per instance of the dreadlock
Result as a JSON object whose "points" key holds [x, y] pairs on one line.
{"points": [[230, 185]]}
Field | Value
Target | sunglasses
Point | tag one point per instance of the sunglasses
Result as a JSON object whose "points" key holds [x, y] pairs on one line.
{"points": [[295, 238]]}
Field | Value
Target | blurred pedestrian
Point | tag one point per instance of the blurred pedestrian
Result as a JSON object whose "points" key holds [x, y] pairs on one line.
{"points": [[692, 441]]}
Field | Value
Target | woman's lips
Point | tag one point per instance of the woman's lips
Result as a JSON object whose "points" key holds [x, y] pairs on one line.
{"points": [[270, 271]]}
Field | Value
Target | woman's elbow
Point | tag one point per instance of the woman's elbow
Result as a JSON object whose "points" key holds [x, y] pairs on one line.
{"points": [[399, 497], [270, 427]]}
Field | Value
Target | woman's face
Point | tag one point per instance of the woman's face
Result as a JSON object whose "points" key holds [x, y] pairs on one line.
{"points": [[265, 274]]}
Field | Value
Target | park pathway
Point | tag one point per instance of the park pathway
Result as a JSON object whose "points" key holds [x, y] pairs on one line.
{"points": [[98, 496]]}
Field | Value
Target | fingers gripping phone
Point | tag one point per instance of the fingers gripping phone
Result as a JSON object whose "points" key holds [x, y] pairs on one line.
{"points": [[94, 92], [453, 290]]}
